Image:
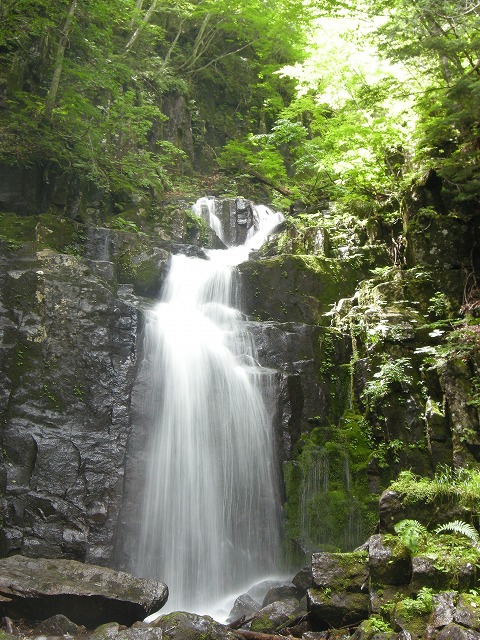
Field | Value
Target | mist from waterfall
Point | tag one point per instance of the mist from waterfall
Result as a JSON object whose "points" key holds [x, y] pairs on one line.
{"points": [[210, 522]]}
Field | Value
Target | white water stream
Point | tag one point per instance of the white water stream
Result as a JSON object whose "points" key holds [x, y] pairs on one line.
{"points": [[210, 519]]}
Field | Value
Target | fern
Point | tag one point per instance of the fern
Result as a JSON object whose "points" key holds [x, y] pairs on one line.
{"points": [[412, 533], [462, 528]]}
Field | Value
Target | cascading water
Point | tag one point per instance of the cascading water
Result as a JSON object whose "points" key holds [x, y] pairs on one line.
{"points": [[210, 520]]}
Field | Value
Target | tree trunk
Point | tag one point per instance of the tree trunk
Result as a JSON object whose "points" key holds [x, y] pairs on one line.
{"points": [[255, 635], [57, 71], [141, 26], [283, 190]]}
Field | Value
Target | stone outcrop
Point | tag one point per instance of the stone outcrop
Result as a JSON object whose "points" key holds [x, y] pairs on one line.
{"points": [[339, 596], [87, 595], [68, 354]]}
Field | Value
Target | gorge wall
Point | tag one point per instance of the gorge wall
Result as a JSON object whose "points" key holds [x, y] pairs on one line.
{"points": [[347, 325]]}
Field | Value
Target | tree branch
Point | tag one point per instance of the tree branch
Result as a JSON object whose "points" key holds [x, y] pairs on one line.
{"points": [[142, 25], [224, 55]]}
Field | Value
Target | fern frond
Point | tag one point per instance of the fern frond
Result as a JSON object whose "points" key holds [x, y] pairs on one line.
{"points": [[410, 525], [462, 528], [412, 533]]}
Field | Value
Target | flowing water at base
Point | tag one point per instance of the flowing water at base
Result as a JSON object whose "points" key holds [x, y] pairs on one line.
{"points": [[210, 521]]}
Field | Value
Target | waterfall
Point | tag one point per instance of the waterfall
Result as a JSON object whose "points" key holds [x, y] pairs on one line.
{"points": [[210, 516]]}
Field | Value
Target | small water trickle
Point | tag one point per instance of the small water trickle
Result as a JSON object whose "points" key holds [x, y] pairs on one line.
{"points": [[210, 520]]}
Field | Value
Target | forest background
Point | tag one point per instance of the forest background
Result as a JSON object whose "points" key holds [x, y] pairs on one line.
{"points": [[322, 101]]}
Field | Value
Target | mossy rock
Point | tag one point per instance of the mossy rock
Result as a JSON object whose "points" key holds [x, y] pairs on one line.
{"points": [[410, 618], [107, 631], [374, 628], [274, 615], [296, 288], [389, 561], [190, 626], [467, 612], [144, 268], [339, 572], [336, 609]]}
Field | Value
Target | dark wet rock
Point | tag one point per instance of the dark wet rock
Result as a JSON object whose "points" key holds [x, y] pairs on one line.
{"points": [[304, 578], [190, 626], [68, 358], [244, 606], [337, 609], [86, 594], [282, 592], [57, 625], [467, 612], [292, 349], [388, 563], [274, 615], [443, 609], [340, 571], [259, 591], [427, 573], [456, 632], [189, 250], [315, 635]]}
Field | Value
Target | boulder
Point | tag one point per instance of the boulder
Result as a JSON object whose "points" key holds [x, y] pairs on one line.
{"points": [[88, 595], [388, 563], [283, 592], [426, 572], [443, 609], [244, 606], [340, 571], [467, 612], [259, 590], [303, 579], [456, 632], [114, 631], [182, 626], [57, 625], [269, 618], [337, 609]]}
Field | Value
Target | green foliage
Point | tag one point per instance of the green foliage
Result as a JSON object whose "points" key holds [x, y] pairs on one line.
{"points": [[328, 503], [460, 486], [83, 84], [460, 339], [461, 528], [412, 607], [412, 533], [390, 374], [376, 624], [125, 225], [458, 545], [439, 45]]}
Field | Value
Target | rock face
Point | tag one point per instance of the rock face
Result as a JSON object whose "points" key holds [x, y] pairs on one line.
{"points": [[86, 594], [68, 354], [339, 596]]}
